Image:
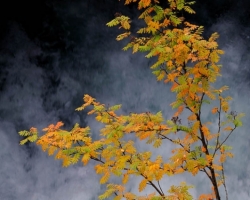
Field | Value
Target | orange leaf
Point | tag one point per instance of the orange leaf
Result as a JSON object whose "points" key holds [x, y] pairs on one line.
{"points": [[214, 110], [228, 128], [192, 117], [179, 111], [205, 131]]}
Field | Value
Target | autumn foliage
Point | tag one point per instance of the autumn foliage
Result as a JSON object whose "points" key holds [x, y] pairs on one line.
{"points": [[188, 62]]}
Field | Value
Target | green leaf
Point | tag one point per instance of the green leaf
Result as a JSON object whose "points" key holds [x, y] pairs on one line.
{"points": [[226, 147], [115, 107], [144, 48], [113, 22], [156, 198], [202, 161], [182, 80], [237, 123], [22, 142], [75, 158], [129, 45], [175, 20], [189, 10], [179, 88], [24, 133], [206, 101], [170, 123], [180, 4], [210, 147], [32, 138], [107, 193], [156, 72], [177, 103], [185, 129]]}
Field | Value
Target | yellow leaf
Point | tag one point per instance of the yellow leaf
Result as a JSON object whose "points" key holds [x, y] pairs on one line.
{"points": [[86, 158], [143, 4], [217, 167], [209, 158], [59, 155], [125, 25], [222, 158], [125, 178], [159, 174], [157, 143], [51, 150], [161, 76], [143, 185], [154, 167], [66, 161], [135, 47], [105, 178], [98, 118], [224, 106], [229, 154], [205, 131]]}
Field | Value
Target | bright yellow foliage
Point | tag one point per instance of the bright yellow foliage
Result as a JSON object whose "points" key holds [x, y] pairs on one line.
{"points": [[188, 62]]}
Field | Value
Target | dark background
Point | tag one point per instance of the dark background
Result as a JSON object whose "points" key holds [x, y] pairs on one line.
{"points": [[54, 52]]}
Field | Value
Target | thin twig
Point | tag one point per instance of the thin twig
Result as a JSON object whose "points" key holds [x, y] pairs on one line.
{"points": [[225, 139], [160, 187], [224, 181], [219, 127]]}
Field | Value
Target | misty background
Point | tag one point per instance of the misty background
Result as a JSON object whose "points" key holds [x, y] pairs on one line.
{"points": [[54, 52]]}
